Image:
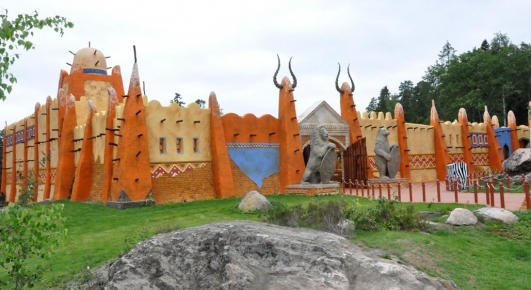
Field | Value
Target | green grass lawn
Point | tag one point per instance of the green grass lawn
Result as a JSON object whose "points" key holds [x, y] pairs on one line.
{"points": [[475, 258]]}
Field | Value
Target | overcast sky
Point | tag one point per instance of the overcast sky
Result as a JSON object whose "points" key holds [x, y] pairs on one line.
{"points": [[230, 47]]}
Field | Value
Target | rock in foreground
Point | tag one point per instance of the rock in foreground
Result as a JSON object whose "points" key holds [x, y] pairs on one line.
{"points": [[251, 255]]}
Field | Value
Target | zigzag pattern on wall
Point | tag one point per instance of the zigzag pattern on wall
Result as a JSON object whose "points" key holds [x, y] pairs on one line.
{"points": [[372, 164], [171, 170], [42, 176], [253, 145], [53, 173], [454, 158], [421, 161], [480, 159], [9, 180]]}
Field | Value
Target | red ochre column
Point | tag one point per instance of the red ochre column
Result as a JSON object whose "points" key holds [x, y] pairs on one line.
{"points": [[109, 149], [223, 179], [36, 164], [13, 189], [291, 159], [48, 162], [132, 171], [442, 157], [66, 164], [350, 115], [25, 154], [85, 165], [3, 185], [402, 141], [511, 121], [465, 139], [495, 160]]}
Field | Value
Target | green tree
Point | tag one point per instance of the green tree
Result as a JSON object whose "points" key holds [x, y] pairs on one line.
{"points": [[497, 78], [14, 35], [373, 105], [177, 100], [201, 103], [383, 100], [485, 45]]}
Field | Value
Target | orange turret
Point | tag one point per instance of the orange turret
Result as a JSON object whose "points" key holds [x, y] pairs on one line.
{"points": [[291, 158], [402, 141], [132, 171], [66, 164], [511, 121], [495, 160], [465, 139], [349, 113], [85, 165], [441, 151], [223, 177]]}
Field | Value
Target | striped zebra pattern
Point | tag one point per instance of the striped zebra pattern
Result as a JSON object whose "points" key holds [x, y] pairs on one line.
{"points": [[458, 171]]}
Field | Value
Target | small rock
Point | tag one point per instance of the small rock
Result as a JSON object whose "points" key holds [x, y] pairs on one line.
{"points": [[462, 217], [253, 200], [498, 214]]}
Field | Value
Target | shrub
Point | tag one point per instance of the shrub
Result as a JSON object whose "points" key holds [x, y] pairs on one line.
{"points": [[329, 217], [27, 233], [386, 215]]}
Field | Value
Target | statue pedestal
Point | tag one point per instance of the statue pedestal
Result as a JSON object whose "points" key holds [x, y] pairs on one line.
{"points": [[313, 189]]}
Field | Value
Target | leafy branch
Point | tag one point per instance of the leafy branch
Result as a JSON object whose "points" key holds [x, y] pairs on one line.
{"points": [[14, 35]]}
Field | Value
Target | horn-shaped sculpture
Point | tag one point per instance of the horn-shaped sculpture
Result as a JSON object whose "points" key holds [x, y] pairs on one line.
{"points": [[349, 76], [290, 71]]}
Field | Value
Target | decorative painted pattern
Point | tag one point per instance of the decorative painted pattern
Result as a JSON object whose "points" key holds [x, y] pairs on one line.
{"points": [[31, 132], [42, 176], [53, 174], [9, 179], [454, 158], [421, 161], [480, 159], [9, 140], [256, 160], [372, 164], [94, 70], [171, 170], [19, 136], [479, 139], [253, 145]]}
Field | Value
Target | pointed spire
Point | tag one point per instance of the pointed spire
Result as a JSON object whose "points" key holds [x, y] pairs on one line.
{"points": [[462, 117], [434, 117], [486, 116]]}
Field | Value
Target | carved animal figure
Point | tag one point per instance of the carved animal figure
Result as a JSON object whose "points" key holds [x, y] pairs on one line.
{"points": [[387, 157], [319, 147]]}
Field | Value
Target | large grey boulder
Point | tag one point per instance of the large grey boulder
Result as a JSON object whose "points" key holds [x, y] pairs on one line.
{"points": [[462, 217], [518, 163], [251, 255], [498, 214], [253, 200]]}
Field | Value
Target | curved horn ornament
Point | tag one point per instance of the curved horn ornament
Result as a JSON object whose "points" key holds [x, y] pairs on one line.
{"points": [[337, 79], [350, 77], [275, 75], [292, 75]]}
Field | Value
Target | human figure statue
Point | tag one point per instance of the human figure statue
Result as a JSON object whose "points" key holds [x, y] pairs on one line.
{"points": [[387, 157], [322, 161]]}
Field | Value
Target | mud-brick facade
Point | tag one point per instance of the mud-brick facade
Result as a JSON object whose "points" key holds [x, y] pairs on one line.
{"points": [[99, 141]]}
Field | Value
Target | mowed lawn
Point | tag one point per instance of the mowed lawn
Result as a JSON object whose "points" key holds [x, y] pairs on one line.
{"points": [[473, 257]]}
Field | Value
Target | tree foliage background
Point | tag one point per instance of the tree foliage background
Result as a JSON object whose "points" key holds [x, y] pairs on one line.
{"points": [[496, 75], [14, 35]]}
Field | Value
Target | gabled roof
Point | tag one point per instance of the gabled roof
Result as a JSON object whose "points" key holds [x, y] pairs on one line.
{"points": [[321, 113]]}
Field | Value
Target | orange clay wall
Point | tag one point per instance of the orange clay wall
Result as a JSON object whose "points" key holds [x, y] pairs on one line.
{"points": [[253, 134]]}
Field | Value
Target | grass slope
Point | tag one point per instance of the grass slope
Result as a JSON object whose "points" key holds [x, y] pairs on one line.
{"points": [[471, 256]]}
